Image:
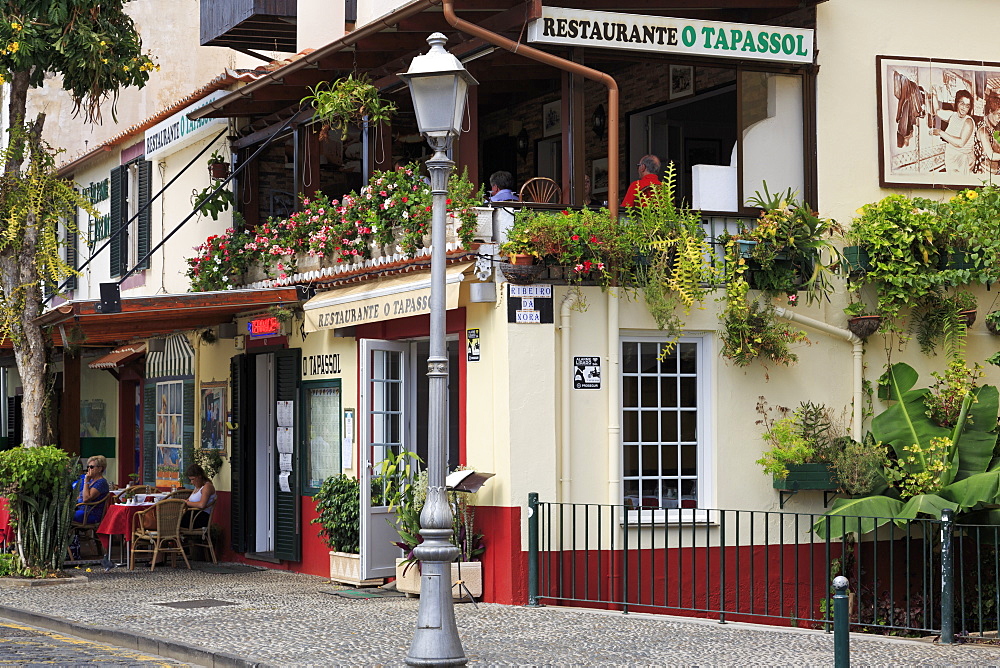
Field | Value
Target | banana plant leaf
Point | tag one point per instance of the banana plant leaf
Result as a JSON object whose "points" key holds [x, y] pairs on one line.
{"points": [[926, 504], [906, 422], [978, 489], [857, 516]]}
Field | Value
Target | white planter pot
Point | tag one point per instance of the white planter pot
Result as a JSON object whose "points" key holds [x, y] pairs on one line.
{"points": [[471, 574], [346, 568]]}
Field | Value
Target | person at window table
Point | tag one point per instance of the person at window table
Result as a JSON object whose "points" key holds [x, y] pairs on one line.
{"points": [[648, 166], [91, 486], [501, 184], [203, 496]]}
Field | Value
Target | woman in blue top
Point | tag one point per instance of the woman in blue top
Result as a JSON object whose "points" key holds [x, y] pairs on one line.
{"points": [[92, 486]]}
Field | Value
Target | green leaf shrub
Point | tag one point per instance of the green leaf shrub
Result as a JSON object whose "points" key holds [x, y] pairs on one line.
{"points": [[338, 504]]}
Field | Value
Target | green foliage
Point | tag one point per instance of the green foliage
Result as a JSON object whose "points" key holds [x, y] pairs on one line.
{"points": [[37, 482], [939, 317], [859, 466], [210, 460], [803, 437], [209, 204], [93, 47], [394, 208], [217, 158], [935, 466], [338, 505], [345, 101]]}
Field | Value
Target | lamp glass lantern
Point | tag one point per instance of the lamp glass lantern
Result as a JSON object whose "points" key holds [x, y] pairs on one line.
{"points": [[438, 84]]}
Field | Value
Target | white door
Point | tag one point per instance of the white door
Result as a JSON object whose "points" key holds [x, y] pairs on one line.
{"points": [[384, 427]]}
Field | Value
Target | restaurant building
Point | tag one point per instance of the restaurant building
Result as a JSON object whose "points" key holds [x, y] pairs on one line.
{"points": [[570, 403]]}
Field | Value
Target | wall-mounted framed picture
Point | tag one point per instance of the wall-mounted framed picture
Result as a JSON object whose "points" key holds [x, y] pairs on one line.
{"points": [[599, 176], [936, 120], [681, 81], [551, 118]]}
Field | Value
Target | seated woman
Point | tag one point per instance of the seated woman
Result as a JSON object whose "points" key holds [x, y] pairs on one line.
{"points": [[92, 486], [203, 496]]}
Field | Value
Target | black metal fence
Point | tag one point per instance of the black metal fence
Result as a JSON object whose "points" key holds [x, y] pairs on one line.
{"points": [[915, 576]]}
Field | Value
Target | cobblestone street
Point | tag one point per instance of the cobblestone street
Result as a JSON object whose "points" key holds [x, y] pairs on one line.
{"points": [[23, 645], [236, 615]]}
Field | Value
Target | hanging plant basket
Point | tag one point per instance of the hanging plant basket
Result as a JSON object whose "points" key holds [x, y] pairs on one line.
{"points": [[968, 316], [218, 170], [521, 274], [863, 326], [992, 326]]}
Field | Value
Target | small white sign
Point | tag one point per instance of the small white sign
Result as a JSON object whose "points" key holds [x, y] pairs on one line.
{"points": [[530, 290], [283, 482], [285, 413], [284, 461], [586, 373], [529, 317], [284, 440], [528, 303]]}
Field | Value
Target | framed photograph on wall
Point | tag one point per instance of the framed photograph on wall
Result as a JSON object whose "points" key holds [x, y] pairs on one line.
{"points": [[681, 81], [599, 176], [936, 120], [213, 416], [551, 118]]}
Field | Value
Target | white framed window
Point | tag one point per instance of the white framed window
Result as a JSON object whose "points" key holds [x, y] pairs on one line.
{"points": [[664, 426]]}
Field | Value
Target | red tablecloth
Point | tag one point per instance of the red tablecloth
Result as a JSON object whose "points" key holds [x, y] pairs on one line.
{"points": [[6, 533], [118, 520]]}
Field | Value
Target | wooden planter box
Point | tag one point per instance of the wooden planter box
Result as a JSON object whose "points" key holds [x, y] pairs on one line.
{"points": [[346, 568], [471, 573], [808, 476]]}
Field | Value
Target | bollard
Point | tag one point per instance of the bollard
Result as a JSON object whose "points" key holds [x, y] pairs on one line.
{"points": [[841, 624], [533, 550], [947, 577]]}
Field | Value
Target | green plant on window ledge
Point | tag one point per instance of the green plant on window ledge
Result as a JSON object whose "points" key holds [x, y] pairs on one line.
{"points": [[345, 101]]}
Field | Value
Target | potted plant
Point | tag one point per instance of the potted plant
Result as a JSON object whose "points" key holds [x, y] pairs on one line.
{"points": [[218, 165], [945, 318], [803, 443], [408, 500], [338, 506], [345, 101], [860, 320], [992, 321]]}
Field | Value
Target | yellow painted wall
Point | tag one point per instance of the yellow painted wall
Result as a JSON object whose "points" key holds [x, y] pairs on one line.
{"points": [[212, 365]]}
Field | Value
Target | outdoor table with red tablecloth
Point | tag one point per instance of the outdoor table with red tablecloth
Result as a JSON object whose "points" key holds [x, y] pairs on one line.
{"points": [[118, 521], [6, 532]]}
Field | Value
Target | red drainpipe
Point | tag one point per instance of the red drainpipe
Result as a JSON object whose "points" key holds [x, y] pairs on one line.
{"points": [[559, 63]]}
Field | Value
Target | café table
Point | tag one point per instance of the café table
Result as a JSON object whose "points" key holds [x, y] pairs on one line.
{"points": [[118, 521], [6, 532]]}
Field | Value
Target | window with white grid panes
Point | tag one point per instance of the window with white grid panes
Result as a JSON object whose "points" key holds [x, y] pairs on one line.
{"points": [[660, 424]]}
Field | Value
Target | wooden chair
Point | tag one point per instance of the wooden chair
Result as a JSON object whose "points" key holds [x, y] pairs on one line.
{"points": [[88, 530], [198, 536], [540, 189], [168, 513]]}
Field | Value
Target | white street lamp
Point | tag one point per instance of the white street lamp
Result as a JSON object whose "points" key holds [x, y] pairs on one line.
{"points": [[439, 84]]}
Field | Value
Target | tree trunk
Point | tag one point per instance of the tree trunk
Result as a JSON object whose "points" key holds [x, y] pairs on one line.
{"points": [[20, 282]]}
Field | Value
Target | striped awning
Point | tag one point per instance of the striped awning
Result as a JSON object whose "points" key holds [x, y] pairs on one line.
{"points": [[119, 357], [176, 360]]}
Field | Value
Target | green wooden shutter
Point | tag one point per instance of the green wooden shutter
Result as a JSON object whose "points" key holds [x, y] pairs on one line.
{"points": [[14, 420], [187, 439], [238, 497], [71, 254], [118, 204], [149, 434], [287, 534], [143, 224]]}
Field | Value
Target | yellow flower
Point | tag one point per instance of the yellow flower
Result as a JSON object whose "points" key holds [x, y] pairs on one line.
{"points": [[860, 212], [125, 68], [104, 60], [15, 25], [103, 43], [13, 47], [972, 194], [88, 570]]}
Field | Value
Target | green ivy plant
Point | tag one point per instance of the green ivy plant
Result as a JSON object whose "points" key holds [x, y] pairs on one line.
{"points": [[338, 505], [212, 205], [345, 101]]}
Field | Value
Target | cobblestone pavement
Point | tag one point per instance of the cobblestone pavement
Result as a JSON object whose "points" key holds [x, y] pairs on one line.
{"points": [[286, 619], [23, 645]]}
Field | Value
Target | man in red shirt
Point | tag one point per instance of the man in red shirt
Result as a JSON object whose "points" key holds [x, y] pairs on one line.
{"points": [[648, 166]]}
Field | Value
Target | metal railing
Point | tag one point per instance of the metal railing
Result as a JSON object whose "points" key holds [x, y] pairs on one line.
{"points": [[913, 576]]}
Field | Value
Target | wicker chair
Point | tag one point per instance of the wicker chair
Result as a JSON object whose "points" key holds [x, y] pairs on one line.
{"points": [[198, 536], [540, 189], [169, 513], [181, 493], [88, 530]]}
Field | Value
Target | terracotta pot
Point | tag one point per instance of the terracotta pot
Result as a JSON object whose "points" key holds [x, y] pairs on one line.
{"points": [[968, 316], [521, 260], [218, 170]]}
